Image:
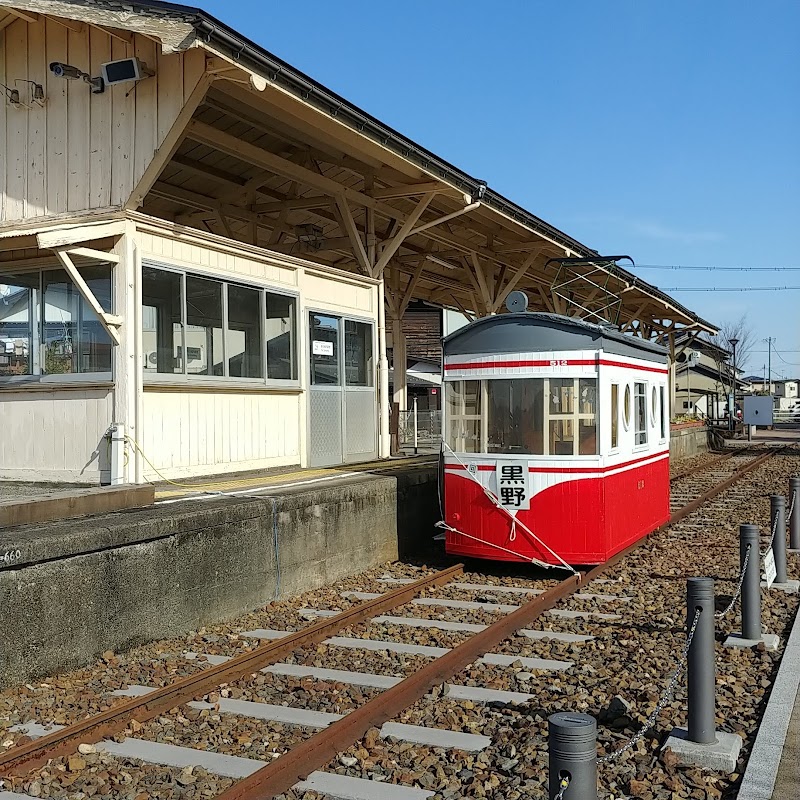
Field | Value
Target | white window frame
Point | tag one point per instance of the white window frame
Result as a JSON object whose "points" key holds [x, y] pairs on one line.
{"points": [[636, 431], [210, 381], [37, 309], [614, 446], [575, 416]]}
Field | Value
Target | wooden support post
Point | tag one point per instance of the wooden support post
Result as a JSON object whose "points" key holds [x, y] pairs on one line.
{"points": [[110, 322]]}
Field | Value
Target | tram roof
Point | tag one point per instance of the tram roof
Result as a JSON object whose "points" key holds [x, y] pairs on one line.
{"points": [[531, 332]]}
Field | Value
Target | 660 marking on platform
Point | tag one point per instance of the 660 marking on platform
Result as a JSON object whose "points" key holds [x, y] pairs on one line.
{"points": [[10, 556]]}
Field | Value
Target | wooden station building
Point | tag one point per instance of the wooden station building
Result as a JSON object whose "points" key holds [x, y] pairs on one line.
{"points": [[201, 249]]}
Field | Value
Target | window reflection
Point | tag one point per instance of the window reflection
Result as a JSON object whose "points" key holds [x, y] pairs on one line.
{"points": [[74, 340], [18, 323], [517, 418]]}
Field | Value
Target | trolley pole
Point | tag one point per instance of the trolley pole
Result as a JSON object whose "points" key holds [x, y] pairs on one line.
{"points": [[700, 670], [572, 745], [777, 516], [794, 519]]}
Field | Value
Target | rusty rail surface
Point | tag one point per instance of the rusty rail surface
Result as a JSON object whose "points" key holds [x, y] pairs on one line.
{"points": [[722, 486], [109, 723], [707, 465]]}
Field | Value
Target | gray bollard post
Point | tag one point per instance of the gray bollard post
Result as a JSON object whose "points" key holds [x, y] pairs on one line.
{"points": [[751, 585], [777, 508], [572, 749], [700, 670], [794, 520]]}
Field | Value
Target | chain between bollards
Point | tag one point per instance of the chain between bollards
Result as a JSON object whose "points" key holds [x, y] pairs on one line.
{"points": [[651, 720], [742, 573], [562, 787]]}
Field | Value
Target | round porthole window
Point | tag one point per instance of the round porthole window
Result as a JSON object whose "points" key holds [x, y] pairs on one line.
{"points": [[626, 408], [654, 403]]}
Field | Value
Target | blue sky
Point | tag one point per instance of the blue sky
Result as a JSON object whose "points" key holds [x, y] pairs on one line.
{"points": [[669, 131]]}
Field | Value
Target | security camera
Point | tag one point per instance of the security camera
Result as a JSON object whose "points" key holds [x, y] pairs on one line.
{"points": [[74, 74], [66, 71]]}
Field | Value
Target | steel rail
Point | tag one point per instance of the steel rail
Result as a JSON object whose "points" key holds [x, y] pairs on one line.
{"points": [[320, 749], [707, 465], [111, 722], [314, 753], [300, 761], [720, 487]]}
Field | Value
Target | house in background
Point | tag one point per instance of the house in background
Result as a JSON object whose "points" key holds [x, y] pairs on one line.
{"points": [[703, 379]]}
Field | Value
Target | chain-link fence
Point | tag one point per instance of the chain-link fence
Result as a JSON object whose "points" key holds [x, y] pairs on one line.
{"points": [[422, 429]]}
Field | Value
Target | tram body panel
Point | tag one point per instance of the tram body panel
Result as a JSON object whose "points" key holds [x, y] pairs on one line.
{"points": [[591, 485]]}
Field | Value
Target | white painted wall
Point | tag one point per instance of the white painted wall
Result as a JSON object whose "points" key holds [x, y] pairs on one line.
{"points": [[206, 432], [55, 435]]}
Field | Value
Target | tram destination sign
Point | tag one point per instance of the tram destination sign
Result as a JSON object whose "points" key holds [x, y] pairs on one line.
{"points": [[513, 488]]}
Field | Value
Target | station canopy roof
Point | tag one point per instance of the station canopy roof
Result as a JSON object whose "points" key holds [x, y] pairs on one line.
{"points": [[273, 158]]}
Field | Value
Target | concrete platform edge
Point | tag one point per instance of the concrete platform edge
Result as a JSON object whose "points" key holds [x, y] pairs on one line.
{"points": [[761, 773]]}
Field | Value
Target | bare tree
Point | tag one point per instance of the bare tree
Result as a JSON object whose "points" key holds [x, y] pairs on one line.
{"points": [[740, 330]]}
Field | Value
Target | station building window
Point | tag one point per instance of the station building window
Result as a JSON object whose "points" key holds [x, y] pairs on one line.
{"points": [[640, 412], [48, 329], [358, 359], [199, 327]]}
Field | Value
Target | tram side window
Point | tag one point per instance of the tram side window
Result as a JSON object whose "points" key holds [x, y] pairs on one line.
{"points": [[464, 416], [614, 415], [515, 415], [662, 395], [640, 412], [572, 416], [587, 417]]}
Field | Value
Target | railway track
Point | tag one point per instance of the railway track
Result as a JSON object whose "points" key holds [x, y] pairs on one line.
{"points": [[449, 654]]}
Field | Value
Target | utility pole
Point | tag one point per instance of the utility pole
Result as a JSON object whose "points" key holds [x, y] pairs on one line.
{"points": [[769, 342]]}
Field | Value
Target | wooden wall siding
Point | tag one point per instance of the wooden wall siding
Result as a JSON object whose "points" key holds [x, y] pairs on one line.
{"points": [[82, 151], [189, 255], [423, 330], [55, 435], [196, 433]]}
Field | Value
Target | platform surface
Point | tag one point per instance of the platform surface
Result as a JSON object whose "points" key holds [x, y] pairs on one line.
{"points": [[279, 478], [787, 784]]}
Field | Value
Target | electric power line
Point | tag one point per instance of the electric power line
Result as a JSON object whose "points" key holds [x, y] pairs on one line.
{"points": [[716, 269], [729, 288]]}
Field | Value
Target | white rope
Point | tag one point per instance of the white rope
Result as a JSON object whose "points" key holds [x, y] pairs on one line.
{"points": [[536, 561], [514, 520]]}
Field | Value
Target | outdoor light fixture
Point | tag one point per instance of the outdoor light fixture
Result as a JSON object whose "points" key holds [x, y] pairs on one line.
{"points": [[12, 95], [71, 73], [37, 90]]}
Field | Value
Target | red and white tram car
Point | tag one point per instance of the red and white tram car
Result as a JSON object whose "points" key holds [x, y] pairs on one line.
{"points": [[556, 439]]}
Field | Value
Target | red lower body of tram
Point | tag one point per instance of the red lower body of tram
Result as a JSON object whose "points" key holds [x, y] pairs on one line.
{"points": [[584, 519]]}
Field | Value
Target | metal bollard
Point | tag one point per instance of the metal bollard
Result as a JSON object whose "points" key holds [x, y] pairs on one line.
{"points": [[777, 508], [572, 748], [751, 585], [794, 520], [700, 672]]}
